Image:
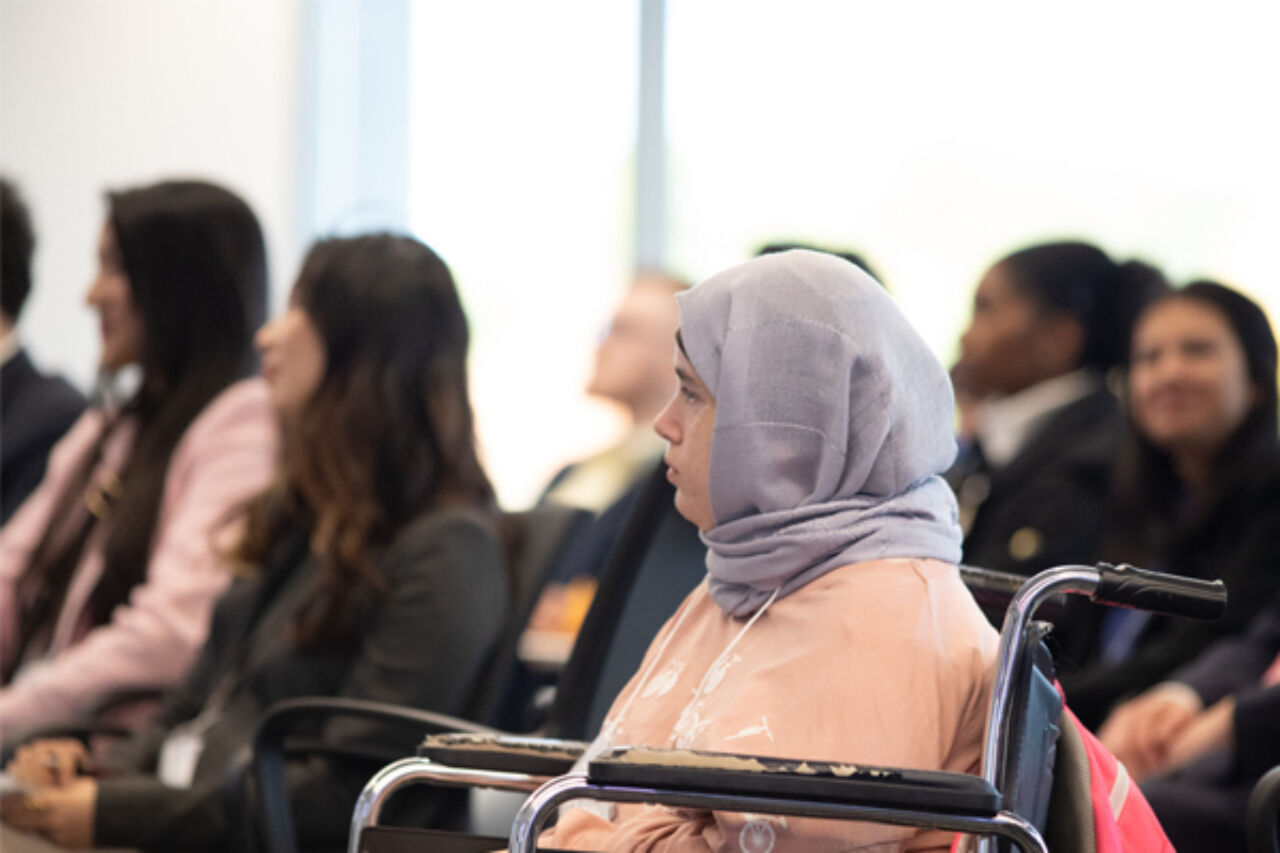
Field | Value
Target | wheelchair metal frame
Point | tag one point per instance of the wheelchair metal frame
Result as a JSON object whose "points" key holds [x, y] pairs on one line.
{"points": [[1102, 583]]}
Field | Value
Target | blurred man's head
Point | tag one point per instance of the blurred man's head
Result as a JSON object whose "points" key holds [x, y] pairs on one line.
{"points": [[17, 245], [633, 360]]}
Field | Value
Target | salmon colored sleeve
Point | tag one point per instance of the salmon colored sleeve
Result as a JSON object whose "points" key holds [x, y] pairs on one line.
{"points": [[226, 457]]}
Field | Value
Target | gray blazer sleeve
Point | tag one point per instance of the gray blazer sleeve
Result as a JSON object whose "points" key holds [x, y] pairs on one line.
{"points": [[424, 645]]}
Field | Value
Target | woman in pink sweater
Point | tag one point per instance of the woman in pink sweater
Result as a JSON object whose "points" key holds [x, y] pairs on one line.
{"points": [[805, 443], [108, 572]]}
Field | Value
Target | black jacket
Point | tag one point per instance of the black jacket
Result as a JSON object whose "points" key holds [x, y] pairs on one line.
{"points": [[1234, 666], [1046, 507], [1237, 540], [422, 643], [35, 411]]}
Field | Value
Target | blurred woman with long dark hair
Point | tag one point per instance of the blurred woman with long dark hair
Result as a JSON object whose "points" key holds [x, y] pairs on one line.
{"points": [[370, 567], [108, 571], [1198, 487]]}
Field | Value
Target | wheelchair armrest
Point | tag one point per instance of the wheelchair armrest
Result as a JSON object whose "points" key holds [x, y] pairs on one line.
{"points": [[270, 748], [506, 753], [726, 773], [1263, 824]]}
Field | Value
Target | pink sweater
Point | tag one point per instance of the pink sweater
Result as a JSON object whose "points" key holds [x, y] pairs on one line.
{"points": [[226, 456], [887, 662]]}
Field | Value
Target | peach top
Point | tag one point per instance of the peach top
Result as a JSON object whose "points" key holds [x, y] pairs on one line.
{"points": [[886, 662]]}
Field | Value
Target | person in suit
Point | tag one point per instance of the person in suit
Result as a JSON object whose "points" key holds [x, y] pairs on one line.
{"points": [[35, 409], [1201, 740], [1197, 490], [1049, 323], [630, 370], [108, 572], [371, 566]]}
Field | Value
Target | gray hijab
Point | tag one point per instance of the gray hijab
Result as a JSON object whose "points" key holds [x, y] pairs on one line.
{"points": [[833, 420]]}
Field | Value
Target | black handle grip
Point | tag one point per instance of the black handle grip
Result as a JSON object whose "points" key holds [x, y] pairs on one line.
{"points": [[1141, 589]]}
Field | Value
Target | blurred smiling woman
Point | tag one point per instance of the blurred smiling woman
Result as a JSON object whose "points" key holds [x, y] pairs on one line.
{"points": [[108, 571]]}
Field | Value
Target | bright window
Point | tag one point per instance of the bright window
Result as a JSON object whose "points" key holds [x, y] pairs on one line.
{"points": [[522, 130]]}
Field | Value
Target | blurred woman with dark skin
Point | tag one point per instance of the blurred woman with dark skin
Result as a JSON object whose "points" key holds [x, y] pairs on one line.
{"points": [[1198, 494], [370, 567], [108, 571], [1049, 323]]}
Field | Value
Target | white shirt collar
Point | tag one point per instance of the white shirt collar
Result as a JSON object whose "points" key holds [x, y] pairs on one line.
{"points": [[1006, 423], [9, 346]]}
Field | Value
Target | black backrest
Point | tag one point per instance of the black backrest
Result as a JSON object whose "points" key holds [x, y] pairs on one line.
{"points": [[538, 538], [657, 559], [1026, 775]]}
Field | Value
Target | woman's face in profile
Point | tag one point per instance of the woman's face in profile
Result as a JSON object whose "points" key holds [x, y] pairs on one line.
{"points": [[111, 295], [1189, 382], [293, 359], [1010, 344], [687, 424]]}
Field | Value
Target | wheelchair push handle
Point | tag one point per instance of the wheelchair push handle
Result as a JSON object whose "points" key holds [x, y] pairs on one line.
{"points": [[1129, 586]]}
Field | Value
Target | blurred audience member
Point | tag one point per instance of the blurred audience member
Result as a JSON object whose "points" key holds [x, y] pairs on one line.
{"points": [[633, 369], [1049, 322], [35, 410], [848, 255], [108, 572], [1198, 491], [372, 567], [1213, 729]]}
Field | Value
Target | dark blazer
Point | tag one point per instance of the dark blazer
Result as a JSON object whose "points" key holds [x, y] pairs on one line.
{"points": [[423, 643], [1237, 540], [1045, 507], [35, 411], [1234, 666]]}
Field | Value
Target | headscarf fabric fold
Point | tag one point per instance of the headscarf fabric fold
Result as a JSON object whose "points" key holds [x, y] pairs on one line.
{"points": [[833, 422]]}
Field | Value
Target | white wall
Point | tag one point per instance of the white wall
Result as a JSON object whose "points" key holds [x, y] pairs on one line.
{"points": [[99, 94]]}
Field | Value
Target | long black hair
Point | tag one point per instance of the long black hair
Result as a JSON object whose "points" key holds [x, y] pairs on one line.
{"points": [[1148, 491], [389, 432], [1080, 280], [195, 259]]}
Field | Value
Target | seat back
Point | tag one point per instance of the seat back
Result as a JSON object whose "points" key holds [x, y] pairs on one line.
{"points": [[1026, 772], [654, 563], [537, 539], [1263, 823]]}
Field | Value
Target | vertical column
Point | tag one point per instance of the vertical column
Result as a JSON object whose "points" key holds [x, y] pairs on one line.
{"points": [[651, 165], [355, 122]]}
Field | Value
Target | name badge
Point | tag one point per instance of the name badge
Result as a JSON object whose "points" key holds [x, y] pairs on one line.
{"points": [[178, 757]]}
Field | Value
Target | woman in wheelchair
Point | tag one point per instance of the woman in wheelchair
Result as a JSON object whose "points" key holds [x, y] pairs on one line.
{"points": [[805, 442], [370, 568]]}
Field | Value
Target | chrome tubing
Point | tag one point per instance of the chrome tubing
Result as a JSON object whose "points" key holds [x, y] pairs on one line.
{"points": [[415, 770], [1013, 646], [540, 805]]}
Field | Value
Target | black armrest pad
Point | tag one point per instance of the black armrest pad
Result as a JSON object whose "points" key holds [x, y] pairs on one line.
{"points": [[507, 753], [279, 719], [714, 772]]}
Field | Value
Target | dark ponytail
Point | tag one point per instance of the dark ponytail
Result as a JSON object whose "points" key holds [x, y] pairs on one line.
{"points": [[1078, 279]]}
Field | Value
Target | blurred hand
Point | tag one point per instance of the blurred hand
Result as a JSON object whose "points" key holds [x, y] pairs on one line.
{"points": [[63, 815], [1213, 730], [1141, 731], [49, 763]]}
